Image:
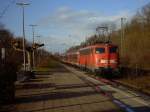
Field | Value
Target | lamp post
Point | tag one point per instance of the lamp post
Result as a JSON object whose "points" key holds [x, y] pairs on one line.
{"points": [[24, 51]]}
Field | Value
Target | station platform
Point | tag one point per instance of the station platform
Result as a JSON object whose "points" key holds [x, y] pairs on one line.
{"points": [[60, 90]]}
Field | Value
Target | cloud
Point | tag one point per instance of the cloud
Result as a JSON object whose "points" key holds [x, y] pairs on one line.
{"points": [[69, 19], [79, 23]]}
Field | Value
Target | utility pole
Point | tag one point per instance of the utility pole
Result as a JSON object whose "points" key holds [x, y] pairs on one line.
{"points": [[24, 50], [33, 57], [38, 37], [122, 37], [39, 54]]}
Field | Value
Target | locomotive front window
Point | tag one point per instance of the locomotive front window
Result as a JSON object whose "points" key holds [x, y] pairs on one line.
{"points": [[113, 49], [99, 50]]}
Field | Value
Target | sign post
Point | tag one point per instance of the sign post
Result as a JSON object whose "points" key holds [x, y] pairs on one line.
{"points": [[3, 55]]}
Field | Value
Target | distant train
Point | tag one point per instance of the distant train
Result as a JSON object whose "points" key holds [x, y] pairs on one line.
{"points": [[99, 58]]}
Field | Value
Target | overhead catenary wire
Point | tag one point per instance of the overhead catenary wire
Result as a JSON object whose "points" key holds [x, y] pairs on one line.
{"points": [[6, 8]]}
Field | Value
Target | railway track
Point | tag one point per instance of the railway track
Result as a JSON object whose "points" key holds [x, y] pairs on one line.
{"points": [[126, 93], [106, 94], [117, 84], [124, 87]]}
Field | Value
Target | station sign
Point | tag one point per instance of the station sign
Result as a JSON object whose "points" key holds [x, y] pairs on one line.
{"points": [[3, 53]]}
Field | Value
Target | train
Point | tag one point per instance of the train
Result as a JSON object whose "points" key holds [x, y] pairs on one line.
{"points": [[99, 58]]}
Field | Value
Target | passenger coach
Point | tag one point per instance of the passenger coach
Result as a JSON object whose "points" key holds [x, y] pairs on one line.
{"points": [[73, 58]]}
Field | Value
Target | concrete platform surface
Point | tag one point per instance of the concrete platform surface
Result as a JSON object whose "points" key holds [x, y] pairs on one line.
{"points": [[59, 90], [66, 89]]}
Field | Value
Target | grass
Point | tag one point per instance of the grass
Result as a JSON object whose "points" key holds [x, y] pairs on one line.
{"points": [[41, 69], [53, 64], [47, 64]]}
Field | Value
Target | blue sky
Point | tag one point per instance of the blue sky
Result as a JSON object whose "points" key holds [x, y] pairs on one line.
{"points": [[63, 23]]}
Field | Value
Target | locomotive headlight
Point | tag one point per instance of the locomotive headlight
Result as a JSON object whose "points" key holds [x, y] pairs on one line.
{"points": [[104, 61], [97, 60], [113, 61]]}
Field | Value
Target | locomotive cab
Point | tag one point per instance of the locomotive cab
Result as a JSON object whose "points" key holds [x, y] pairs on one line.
{"points": [[106, 58]]}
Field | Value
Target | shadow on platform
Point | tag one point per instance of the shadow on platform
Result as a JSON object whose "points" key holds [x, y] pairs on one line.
{"points": [[35, 86], [53, 96]]}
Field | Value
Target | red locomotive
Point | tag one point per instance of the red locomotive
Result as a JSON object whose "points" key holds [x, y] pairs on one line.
{"points": [[98, 58]]}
